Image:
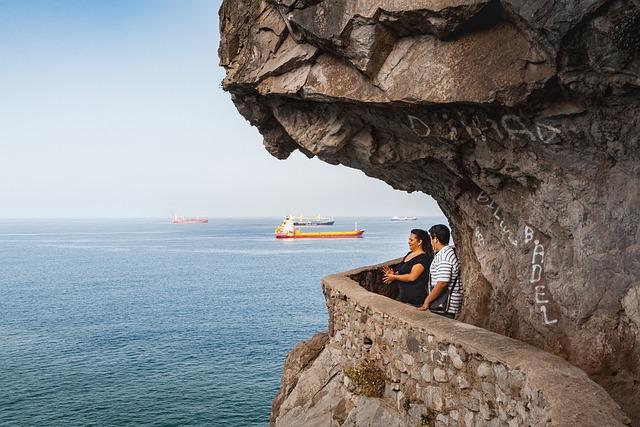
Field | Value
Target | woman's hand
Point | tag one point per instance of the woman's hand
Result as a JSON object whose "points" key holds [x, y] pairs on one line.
{"points": [[389, 275]]}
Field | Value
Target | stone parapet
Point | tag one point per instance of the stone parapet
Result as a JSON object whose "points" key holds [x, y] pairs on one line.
{"points": [[444, 372]]}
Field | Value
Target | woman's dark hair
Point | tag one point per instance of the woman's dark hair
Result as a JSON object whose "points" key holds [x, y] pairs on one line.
{"points": [[426, 241], [441, 231]]}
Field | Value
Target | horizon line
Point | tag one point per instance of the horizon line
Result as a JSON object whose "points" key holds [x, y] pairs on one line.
{"points": [[201, 216]]}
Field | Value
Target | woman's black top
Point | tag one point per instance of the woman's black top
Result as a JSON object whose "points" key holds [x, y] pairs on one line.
{"points": [[415, 292]]}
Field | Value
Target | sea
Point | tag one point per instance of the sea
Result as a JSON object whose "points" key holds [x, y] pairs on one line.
{"points": [[139, 322]]}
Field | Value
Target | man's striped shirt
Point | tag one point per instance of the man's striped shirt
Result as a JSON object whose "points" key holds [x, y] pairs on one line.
{"points": [[446, 268]]}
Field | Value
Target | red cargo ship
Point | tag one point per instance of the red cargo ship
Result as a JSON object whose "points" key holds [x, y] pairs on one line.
{"points": [[184, 220]]}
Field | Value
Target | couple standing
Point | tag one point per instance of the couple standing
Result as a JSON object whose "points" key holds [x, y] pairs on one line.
{"points": [[428, 282]]}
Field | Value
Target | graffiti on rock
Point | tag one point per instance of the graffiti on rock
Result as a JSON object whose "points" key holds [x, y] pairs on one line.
{"points": [[418, 126], [541, 296], [537, 267], [499, 217], [479, 236], [481, 129], [528, 234]]}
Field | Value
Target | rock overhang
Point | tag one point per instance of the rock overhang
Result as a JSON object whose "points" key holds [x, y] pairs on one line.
{"points": [[520, 118]]}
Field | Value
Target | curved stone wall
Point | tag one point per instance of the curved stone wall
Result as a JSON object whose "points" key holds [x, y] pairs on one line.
{"points": [[438, 371]]}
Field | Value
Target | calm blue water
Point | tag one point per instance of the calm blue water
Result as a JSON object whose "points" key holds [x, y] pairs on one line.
{"points": [[140, 322]]}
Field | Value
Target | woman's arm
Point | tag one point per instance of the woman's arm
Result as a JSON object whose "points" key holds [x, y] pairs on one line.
{"points": [[416, 271]]}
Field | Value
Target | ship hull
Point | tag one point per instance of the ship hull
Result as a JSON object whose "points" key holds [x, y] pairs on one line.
{"points": [[332, 235], [404, 218], [190, 221]]}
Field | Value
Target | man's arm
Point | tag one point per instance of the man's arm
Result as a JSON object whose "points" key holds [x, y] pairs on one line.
{"points": [[435, 293]]}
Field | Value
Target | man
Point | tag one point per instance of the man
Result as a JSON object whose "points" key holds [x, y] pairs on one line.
{"points": [[444, 272]]}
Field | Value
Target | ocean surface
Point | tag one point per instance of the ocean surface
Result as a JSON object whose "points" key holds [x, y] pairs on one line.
{"points": [[140, 322]]}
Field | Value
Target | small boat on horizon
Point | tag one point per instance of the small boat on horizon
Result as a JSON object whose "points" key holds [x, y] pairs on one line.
{"points": [[403, 218], [185, 220], [309, 221], [286, 230]]}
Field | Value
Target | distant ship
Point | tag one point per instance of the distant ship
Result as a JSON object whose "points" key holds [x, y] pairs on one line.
{"points": [[316, 220], [403, 218], [286, 230], [184, 220]]}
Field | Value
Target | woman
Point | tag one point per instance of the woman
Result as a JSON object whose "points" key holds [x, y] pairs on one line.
{"points": [[412, 274]]}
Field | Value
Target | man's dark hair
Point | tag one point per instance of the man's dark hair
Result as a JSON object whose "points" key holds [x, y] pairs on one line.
{"points": [[441, 231]]}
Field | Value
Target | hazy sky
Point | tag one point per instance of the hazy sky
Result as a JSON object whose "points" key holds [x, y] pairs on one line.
{"points": [[114, 109]]}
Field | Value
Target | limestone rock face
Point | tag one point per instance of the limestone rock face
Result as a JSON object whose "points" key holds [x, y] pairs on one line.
{"points": [[297, 361], [522, 119]]}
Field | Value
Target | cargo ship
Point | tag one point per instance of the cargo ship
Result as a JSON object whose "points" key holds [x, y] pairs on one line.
{"points": [[316, 220], [286, 230], [184, 220], [403, 218]]}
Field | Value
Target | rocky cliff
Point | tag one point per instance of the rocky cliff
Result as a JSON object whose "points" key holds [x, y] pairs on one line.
{"points": [[520, 118]]}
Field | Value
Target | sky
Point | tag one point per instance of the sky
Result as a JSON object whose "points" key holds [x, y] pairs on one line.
{"points": [[113, 109]]}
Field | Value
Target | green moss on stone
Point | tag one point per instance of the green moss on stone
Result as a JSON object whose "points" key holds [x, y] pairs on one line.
{"points": [[368, 378]]}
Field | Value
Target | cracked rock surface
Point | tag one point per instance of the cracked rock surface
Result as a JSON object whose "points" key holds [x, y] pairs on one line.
{"points": [[520, 118]]}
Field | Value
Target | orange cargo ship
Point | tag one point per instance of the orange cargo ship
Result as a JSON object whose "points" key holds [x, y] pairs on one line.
{"points": [[182, 220], [286, 230]]}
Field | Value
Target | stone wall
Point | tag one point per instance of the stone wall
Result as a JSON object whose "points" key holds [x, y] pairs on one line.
{"points": [[437, 371]]}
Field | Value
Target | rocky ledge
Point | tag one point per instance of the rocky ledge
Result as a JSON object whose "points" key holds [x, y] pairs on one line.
{"points": [[520, 118], [384, 363]]}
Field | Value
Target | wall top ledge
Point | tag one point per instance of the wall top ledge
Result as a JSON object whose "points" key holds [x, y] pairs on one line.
{"points": [[574, 399]]}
